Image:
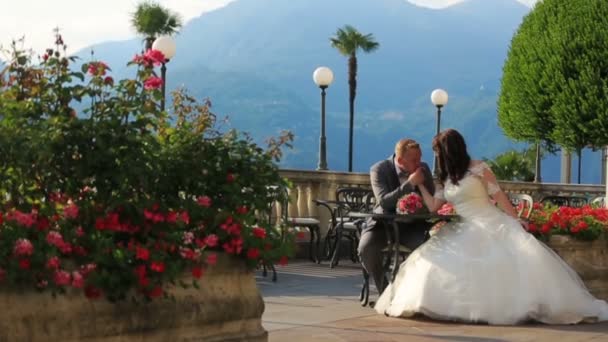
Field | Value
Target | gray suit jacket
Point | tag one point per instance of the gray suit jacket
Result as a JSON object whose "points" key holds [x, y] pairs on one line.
{"points": [[387, 190]]}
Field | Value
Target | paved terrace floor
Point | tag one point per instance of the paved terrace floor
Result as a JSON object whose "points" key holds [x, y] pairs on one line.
{"points": [[311, 302]]}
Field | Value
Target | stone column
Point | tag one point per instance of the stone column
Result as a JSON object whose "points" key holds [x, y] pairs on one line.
{"points": [[566, 167], [604, 164]]}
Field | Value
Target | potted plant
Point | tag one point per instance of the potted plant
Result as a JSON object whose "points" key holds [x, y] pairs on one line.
{"points": [[120, 220]]}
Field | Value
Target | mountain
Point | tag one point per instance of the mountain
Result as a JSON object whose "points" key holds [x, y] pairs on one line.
{"points": [[254, 59]]}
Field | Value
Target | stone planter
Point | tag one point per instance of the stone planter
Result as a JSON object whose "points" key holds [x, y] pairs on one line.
{"points": [[588, 258], [227, 307]]}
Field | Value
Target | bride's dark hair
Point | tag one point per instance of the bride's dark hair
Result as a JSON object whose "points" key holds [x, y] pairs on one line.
{"points": [[452, 157]]}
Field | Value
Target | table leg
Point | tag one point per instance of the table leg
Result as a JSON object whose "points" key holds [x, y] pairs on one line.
{"points": [[395, 251]]}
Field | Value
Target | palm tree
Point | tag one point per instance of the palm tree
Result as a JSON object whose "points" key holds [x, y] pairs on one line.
{"points": [[348, 41], [152, 20]]}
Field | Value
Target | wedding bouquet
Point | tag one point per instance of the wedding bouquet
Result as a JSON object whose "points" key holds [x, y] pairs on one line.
{"points": [[410, 204], [446, 209]]}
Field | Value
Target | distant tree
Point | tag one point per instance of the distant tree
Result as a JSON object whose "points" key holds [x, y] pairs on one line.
{"points": [[348, 41], [514, 165], [151, 20], [555, 79]]}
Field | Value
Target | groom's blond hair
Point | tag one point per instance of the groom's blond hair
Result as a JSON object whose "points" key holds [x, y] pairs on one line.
{"points": [[405, 144]]}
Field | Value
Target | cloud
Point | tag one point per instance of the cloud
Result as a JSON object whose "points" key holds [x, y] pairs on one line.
{"points": [[392, 116], [82, 23]]}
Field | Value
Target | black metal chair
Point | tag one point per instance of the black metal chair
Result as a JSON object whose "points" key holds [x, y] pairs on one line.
{"points": [[599, 201], [280, 196], [570, 201], [350, 200]]}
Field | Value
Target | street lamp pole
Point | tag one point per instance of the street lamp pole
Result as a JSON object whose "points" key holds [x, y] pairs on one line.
{"points": [[166, 45], [163, 76], [322, 76], [439, 98], [322, 138]]}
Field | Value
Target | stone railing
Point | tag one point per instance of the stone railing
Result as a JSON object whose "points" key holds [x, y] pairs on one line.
{"points": [[309, 185]]}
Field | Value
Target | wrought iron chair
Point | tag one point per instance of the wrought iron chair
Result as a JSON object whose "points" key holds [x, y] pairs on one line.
{"points": [[523, 204], [599, 201], [349, 200], [570, 201]]}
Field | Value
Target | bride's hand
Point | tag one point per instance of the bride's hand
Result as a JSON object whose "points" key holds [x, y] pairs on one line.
{"points": [[524, 223]]}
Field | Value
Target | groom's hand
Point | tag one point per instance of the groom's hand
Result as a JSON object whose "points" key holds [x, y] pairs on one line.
{"points": [[417, 177]]}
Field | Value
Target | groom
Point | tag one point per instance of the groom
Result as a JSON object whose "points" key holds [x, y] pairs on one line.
{"points": [[391, 179]]}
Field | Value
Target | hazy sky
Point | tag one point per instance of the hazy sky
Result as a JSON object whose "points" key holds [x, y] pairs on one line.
{"points": [[85, 22]]}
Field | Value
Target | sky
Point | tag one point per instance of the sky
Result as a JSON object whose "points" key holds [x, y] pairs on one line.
{"points": [[87, 22]]}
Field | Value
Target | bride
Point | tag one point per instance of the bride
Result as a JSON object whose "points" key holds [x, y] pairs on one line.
{"points": [[485, 267]]}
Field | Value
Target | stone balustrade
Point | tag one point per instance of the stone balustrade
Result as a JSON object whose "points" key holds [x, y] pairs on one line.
{"points": [[309, 185]]}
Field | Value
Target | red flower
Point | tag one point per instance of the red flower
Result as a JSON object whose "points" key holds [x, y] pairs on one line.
{"points": [[24, 264], [253, 253], [156, 57], [142, 253], [197, 272], [259, 232], [242, 210], [157, 266], [283, 261], [77, 280], [203, 201], [92, 292], [230, 178], [157, 291]]}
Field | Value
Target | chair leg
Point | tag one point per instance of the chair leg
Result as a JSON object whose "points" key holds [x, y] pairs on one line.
{"points": [[311, 230], [336, 256], [274, 273], [318, 244]]}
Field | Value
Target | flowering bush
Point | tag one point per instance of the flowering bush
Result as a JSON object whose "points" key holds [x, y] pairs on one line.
{"points": [[585, 223], [117, 197], [410, 204]]}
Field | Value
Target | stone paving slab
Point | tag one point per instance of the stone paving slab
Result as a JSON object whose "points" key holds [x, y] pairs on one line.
{"points": [[312, 302]]}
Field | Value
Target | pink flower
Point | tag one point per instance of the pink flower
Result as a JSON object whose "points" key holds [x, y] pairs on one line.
{"points": [[71, 211], [211, 240], [62, 278], [155, 56], [54, 238], [23, 247], [152, 83], [204, 201], [188, 237], [79, 231], [77, 280], [52, 263], [212, 259]]}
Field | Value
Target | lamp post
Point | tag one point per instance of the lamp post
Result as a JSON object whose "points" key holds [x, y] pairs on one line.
{"points": [[166, 45], [439, 97], [323, 76]]}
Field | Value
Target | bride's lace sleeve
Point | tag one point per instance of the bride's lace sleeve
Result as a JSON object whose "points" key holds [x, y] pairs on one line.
{"points": [[483, 171]]}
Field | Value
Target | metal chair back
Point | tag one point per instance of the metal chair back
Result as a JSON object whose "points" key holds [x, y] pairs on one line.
{"points": [[569, 201], [523, 204]]}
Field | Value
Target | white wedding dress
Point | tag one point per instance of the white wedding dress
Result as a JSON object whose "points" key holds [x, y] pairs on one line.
{"points": [[487, 268]]}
